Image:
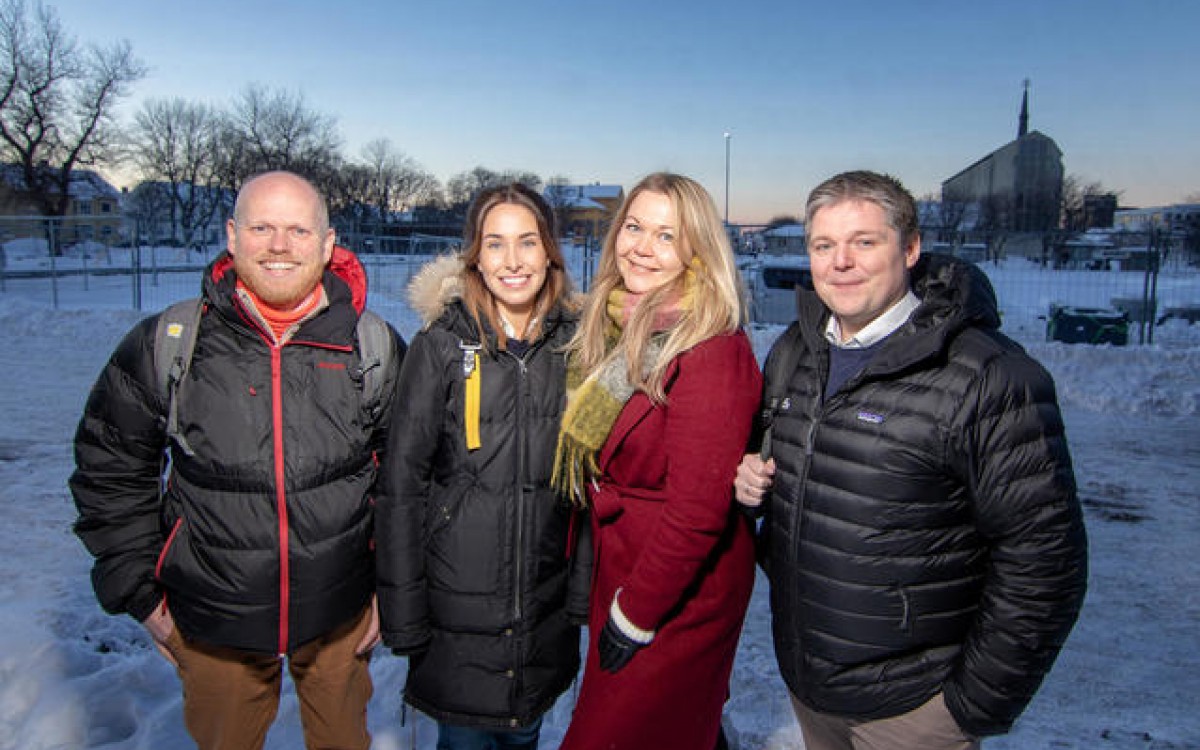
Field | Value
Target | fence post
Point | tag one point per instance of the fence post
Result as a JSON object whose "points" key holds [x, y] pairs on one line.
{"points": [[53, 265], [135, 276], [1152, 263]]}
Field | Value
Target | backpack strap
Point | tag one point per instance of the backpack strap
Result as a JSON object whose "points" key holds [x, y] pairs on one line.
{"points": [[778, 374], [376, 349], [174, 342]]}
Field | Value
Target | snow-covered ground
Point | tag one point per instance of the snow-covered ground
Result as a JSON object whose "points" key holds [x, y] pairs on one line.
{"points": [[1129, 677]]}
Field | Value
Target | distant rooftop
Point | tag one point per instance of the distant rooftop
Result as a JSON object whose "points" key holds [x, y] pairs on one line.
{"points": [[581, 196], [85, 184]]}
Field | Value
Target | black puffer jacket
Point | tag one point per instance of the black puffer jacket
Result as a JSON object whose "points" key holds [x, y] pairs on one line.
{"points": [[262, 540], [483, 571], [923, 532]]}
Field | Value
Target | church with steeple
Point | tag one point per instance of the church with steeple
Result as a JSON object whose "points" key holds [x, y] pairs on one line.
{"points": [[1016, 188]]}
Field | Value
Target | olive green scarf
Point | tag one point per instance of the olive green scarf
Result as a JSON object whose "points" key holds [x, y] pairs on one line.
{"points": [[595, 400]]}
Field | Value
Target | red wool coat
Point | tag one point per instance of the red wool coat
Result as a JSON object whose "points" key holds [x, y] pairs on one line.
{"points": [[668, 536]]}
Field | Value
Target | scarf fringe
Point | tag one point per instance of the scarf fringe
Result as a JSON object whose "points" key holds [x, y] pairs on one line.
{"points": [[574, 466], [591, 410]]}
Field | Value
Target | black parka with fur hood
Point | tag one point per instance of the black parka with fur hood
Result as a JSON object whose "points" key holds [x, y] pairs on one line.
{"points": [[483, 570], [923, 532]]}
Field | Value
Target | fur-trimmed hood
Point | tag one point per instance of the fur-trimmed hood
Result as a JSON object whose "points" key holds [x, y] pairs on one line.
{"points": [[438, 285], [435, 287]]}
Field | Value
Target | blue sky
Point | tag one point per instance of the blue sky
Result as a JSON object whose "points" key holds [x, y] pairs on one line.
{"points": [[606, 92]]}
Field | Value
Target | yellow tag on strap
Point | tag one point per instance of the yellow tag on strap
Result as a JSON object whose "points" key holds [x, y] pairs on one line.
{"points": [[471, 407]]}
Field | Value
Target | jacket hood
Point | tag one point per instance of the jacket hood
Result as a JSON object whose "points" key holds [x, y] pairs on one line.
{"points": [[343, 265], [953, 290], [436, 287], [955, 294]]}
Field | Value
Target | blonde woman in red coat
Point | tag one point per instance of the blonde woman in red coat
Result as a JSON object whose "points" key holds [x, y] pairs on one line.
{"points": [[663, 388]]}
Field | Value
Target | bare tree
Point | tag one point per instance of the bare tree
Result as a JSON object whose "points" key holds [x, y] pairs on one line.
{"points": [[349, 196], [560, 195], [462, 188], [1191, 228], [1076, 196], [782, 220], [995, 216], [267, 130], [944, 216], [396, 182], [57, 101], [149, 205], [176, 143]]}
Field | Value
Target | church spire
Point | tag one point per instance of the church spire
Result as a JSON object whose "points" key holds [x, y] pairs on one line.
{"points": [[1023, 126]]}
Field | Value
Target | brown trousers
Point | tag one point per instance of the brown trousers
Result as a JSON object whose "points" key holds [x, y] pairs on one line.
{"points": [[230, 697], [926, 727]]}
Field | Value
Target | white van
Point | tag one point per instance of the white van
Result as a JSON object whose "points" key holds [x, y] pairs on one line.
{"points": [[772, 284]]}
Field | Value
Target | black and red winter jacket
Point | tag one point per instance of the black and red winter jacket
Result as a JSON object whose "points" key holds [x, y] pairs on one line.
{"points": [[262, 538]]}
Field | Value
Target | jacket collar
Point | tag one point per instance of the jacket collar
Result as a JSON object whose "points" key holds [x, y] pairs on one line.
{"points": [[345, 285], [955, 294]]}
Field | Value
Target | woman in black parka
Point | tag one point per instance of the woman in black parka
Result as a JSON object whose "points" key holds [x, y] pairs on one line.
{"points": [[482, 574]]}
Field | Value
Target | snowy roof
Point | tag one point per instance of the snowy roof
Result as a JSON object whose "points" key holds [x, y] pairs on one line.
{"points": [[85, 184], [582, 196]]}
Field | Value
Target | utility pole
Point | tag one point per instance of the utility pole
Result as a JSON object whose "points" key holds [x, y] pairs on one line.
{"points": [[728, 136]]}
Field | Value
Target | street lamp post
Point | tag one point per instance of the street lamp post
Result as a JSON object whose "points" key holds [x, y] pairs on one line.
{"points": [[728, 135]]}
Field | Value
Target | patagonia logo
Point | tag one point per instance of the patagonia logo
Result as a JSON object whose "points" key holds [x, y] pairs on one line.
{"points": [[867, 416]]}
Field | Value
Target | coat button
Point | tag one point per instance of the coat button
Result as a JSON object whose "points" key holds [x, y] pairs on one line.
{"points": [[510, 674], [508, 632]]}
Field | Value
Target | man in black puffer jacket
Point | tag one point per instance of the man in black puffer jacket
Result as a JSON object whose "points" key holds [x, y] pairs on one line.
{"points": [[259, 547], [923, 538]]}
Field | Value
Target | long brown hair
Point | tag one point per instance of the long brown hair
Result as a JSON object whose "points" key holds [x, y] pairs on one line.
{"points": [[717, 305], [475, 295]]}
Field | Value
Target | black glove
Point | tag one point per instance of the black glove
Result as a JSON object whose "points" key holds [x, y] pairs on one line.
{"points": [[614, 647]]}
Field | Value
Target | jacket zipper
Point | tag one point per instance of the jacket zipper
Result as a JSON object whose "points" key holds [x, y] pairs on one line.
{"points": [[281, 514], [522, 384], [162, 555], [519, 551], [280, 493]]}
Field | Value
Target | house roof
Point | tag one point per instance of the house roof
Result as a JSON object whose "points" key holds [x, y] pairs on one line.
{"points": [[84, 185], [582, 196], [1033, 135]]}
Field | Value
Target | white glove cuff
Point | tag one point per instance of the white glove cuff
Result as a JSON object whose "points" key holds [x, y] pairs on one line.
{"points": [[627, 628]]}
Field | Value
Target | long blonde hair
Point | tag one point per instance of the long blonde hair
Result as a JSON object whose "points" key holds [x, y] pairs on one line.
{"points": [[716, 301]]}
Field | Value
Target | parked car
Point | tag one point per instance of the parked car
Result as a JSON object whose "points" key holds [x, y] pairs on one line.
{"points": [[772, 285]]}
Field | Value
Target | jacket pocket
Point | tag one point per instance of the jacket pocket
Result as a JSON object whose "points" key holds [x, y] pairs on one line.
{"points": [[468, 535], [606, 504]]}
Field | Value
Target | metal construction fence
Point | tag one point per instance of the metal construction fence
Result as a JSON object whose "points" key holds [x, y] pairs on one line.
{"points": [[92, 274]]}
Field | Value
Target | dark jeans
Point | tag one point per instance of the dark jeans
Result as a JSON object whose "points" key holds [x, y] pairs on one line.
{"points": [[454, 737]]}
